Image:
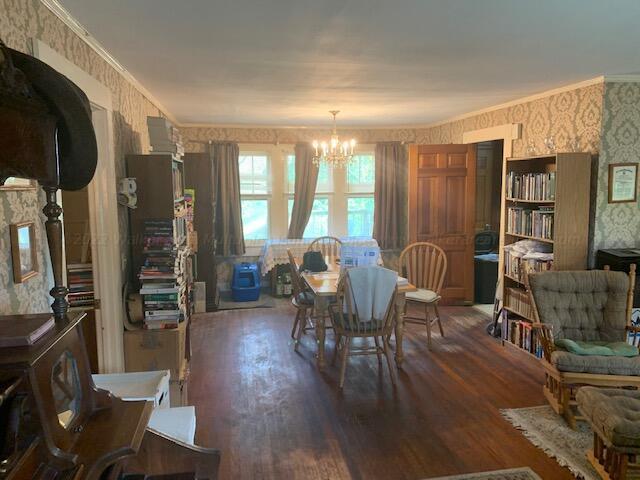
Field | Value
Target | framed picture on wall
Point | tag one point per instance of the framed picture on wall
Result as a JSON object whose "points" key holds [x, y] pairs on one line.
{"points": [[14, 183], [23, 251], [623, 182]]}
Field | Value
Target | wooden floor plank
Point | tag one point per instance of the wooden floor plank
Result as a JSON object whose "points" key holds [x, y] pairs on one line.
{"points": [[274, 416]]}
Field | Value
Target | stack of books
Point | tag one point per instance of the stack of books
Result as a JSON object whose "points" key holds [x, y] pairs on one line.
{"points": [[531, 186], [162, 283], [532, 223], [164, 137], [80, 279]]}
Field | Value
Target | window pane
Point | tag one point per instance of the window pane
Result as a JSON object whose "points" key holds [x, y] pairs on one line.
{"points": [[255, 219], [318, 224], [254, 174], [360, 216], [291, 173], [361, 173]]}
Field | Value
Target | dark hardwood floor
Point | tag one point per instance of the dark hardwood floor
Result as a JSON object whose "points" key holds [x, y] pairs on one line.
{"points": [[275, 416]]}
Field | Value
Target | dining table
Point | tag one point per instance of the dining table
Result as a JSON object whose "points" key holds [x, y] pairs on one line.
{"points": [[324, 286]]}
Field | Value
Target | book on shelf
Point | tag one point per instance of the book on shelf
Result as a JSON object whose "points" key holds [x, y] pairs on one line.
{"points": [[80, 284], [531, 186], [24, 330], [532, 223]]}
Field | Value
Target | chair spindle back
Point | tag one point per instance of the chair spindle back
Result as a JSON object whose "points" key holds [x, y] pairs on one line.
{"points": [[424, 265], [328, 246]]}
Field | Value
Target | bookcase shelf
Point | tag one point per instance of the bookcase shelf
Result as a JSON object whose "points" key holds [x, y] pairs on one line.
{"points": [[528, 237], [555, 190]]}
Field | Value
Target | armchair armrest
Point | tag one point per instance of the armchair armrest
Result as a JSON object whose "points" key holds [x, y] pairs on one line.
{"points": [[545, 335]]}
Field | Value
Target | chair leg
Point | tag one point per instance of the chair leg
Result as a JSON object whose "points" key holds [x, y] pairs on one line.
{"points": [[301, 325], [378, 351], [345, 354], [428, 322], [338, 347], [435, 307], [390, 364], [295, 323]]}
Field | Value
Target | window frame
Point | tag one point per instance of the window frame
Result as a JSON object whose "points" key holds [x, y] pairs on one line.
{"points": [[337, 191]]}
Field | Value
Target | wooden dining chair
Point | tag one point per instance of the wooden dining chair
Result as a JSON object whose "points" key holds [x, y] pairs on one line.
{"points": [[303, 300], [328, 246], [424, 265], [348, 324]]}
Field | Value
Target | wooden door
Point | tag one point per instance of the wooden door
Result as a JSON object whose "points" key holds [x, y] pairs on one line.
{"points": [[442, 210]]}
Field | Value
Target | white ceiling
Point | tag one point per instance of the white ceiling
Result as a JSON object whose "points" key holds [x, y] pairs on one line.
{"points": [[382, 62]]}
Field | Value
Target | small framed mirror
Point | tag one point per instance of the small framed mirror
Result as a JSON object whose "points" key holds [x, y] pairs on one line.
{"points": [[66, 389]]}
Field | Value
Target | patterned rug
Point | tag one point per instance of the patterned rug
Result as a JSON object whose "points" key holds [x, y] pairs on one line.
{"points": [[524, 473], [548, 431]]}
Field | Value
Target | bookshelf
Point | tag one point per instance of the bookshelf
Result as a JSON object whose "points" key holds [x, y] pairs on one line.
{"points": [[546, 227], [162, 266]]}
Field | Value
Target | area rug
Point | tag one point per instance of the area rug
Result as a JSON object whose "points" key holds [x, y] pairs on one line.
{"points": [[524, 473], [227, 303], [547, 430]]}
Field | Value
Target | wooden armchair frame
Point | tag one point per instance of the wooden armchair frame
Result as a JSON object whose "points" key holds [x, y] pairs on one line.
{"points": [[560, 387]]}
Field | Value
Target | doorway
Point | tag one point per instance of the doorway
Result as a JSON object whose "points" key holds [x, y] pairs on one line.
{"points": [[489, 160]]}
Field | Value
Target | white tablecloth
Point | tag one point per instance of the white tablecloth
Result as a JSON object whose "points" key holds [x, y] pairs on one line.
{"points": [[274, 252]]}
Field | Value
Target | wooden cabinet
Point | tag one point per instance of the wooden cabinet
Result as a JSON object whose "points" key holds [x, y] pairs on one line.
{"points": [[198, 175], [441, 210], [547, 201]]}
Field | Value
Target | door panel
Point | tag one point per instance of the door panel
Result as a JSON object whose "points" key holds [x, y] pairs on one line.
{"points": [[442, 210]]}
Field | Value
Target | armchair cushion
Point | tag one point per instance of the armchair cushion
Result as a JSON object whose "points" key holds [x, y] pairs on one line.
{"points": [[613, 413], [620, 349], [585, 305], [595, 364], [422, 295]]}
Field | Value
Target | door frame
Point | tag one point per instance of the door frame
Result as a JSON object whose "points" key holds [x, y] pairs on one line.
{"points": [[103, 213], [507, 132]]}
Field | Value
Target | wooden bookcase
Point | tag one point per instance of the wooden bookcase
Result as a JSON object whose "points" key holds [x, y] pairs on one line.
{"points": [[160, 191], [568, 241]]}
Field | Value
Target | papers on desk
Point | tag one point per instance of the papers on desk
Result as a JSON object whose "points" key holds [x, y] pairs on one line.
{"points": [[351, 256], [324, 275], [402, 281]]}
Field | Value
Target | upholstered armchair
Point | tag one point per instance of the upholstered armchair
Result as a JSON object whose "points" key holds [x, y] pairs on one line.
{"points": [[583, 306]]}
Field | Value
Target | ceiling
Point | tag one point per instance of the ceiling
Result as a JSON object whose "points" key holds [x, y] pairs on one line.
{"points": [[381, 62]]}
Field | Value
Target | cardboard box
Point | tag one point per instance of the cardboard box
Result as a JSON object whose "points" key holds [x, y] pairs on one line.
{"points": [[146, 350], [178, 393]]}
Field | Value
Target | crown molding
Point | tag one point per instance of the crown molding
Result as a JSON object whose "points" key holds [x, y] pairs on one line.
{"points": [[59, 11], [622, 78]]}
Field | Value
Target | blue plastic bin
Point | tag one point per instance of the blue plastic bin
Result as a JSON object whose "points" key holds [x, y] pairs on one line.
{"points": [[245, 286]]}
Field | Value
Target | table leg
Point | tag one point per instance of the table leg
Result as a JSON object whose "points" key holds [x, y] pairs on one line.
{"points": [[399, 306], [320, 311]]}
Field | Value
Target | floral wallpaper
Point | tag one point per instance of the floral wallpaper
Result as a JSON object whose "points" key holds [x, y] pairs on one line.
{"points": [[20, 22], [572, 117], [617, 225]]}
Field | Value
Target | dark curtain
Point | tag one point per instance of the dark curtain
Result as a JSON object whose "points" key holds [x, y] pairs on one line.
{"points": [[226, 181], [390, 211], [304, 190]]}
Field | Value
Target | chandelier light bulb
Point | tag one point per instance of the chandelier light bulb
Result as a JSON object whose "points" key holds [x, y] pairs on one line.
{"points": [[333, 152]]}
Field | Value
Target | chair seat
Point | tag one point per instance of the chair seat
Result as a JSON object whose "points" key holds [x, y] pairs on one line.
{"points": [[342, 321], [305, 298], [595, 364], [423, 295], [613, 413]]}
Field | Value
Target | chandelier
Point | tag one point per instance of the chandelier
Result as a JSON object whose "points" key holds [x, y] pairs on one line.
{"points": [[333, 153]]}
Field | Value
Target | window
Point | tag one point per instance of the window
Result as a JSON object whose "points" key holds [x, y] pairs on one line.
{"points": [[325, 178], [360, 202], [255, 192], [318, 224], [343, 204]]}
